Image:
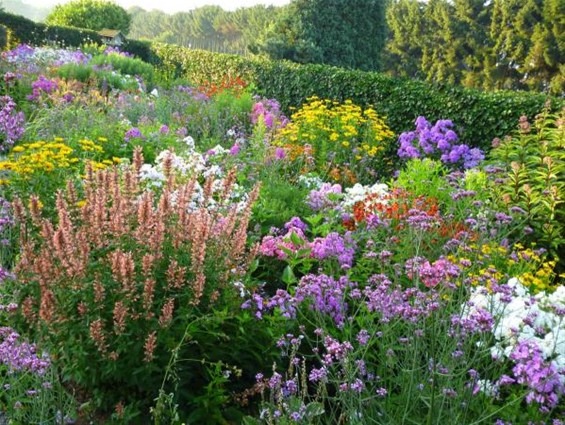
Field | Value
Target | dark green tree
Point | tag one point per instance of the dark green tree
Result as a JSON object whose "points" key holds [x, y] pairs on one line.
{"points": [[472, 21], [346, 33], [544, 66], [406, 32], [91, 14], [441, 45], [511, 31]]}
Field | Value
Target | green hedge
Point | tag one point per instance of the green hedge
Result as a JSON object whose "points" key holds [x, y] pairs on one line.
{"points": [[33, 33], [36, 34], [479, 116]]}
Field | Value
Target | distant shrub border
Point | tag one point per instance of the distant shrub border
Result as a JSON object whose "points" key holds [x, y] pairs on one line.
{"points": [[479, 116]]}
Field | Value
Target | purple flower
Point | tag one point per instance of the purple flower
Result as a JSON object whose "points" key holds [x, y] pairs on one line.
{"points": [[11, 123], [280, 153], [437, 142], [324, 197], [42, 85], [234, 150], [132, 133]]}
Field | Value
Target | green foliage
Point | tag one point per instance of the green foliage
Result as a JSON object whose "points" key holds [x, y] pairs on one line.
{"points": [[350, 34], [3, 37], [126, 66], [479, 116], [92, 14], [36, 34], [533, 161]]}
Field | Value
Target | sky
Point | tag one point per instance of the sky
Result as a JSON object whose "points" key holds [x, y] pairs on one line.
{"points": [[172, 6]]}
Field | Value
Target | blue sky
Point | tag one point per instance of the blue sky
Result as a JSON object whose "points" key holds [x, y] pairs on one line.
{"points": [[173, 6]]}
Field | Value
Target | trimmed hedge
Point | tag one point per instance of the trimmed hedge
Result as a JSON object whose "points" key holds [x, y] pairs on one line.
{"points": [[478, 116], [26, 31]]}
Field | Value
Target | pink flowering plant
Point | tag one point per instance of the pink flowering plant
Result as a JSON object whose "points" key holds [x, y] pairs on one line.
{"points": [[128, 274]]}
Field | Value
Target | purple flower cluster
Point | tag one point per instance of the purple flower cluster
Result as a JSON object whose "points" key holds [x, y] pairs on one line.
{"points": [[394, 302], [332, 246], [133, 133], [437, 141], [319, 293], [42, 85], [324, 197], [19, 355], [540, 376], [432, 274], [11, 123], [21, 53], [116, 51], [269, 110], [335, 246]]}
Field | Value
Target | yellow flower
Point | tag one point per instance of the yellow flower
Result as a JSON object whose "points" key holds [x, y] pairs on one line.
{"points": [[345, 144]]}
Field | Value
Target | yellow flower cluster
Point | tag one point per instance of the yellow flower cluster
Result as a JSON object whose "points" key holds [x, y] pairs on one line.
{"points": [[39, 157], [43, 158], [330, 126], [499, 264]]}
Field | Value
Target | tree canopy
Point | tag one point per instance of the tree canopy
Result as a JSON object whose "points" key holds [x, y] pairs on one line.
{"points": [[91, 14]]}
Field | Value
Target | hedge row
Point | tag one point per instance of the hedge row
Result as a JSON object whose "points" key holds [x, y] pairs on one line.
{"points": [[479, 116], [23, 30]]}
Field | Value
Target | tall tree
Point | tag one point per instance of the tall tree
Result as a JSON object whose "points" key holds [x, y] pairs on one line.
{"points": [[347, 33], [441, 46], [406, 31], [472, 20], [90, 14], [511, 30], [544, 65]]}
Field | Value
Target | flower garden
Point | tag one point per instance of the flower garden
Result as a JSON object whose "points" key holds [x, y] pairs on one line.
{"points": [[175, 253]]}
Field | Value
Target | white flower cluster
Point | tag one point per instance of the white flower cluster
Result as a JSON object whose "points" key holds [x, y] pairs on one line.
{"points": [[539, 319], [186, 166], [310, 181], [359, 193]]}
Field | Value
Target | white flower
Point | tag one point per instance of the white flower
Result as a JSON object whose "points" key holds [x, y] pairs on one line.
{"points": [[189, 141]]}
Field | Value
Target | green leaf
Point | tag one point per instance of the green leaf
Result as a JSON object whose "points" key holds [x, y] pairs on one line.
{"points": [[288, 275]]}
